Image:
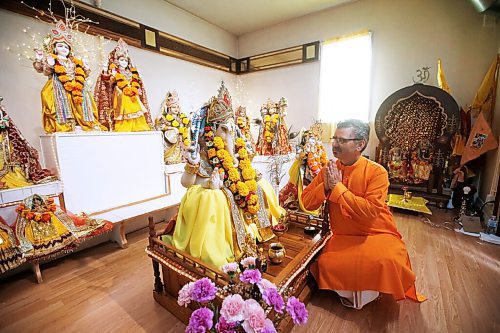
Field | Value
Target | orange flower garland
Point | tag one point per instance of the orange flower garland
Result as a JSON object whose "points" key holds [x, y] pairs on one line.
{"points": [[129, 88], [240, 181], [45, 216], [75, 85], [317, 160]]}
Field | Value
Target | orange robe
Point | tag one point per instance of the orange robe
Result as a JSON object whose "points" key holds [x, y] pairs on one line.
{"points": [[366, 251]]}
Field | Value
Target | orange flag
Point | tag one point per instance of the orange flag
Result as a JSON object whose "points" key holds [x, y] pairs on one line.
{"points": [[481, 140]]}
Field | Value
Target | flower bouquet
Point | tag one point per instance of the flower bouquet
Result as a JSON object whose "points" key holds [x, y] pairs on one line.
{"points": [[249, 301]]}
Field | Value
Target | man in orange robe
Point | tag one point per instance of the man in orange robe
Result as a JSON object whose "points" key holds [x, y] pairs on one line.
{"points": [[366, 255]]}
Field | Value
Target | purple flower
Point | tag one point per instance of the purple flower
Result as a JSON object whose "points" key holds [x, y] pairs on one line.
{"points": [[203, 290], [272, 297], [224, 326], [269, 327], [251, 276], [190, 329], [200, 320], [297, 311]]}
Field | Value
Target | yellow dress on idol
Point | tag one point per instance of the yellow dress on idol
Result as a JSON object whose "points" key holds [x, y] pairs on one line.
{"points": [[19, 165], [120, 94], [39, 231], [66, 101]]}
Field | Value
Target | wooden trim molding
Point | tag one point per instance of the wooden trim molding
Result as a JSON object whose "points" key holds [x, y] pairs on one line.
{"points": [[114, 26]]}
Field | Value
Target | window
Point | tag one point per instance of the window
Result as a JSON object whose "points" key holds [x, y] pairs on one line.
{"points": [[345, 78]]}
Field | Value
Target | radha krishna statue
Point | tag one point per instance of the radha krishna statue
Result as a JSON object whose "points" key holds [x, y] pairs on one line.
{"points": [[66, 99], [120, 94]]}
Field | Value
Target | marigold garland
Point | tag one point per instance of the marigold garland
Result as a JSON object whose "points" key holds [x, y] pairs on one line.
{"points": [[75, 85], [129, 88], [45, 216], [270, 123], [182, 124], [240, 181], [317, 160]]}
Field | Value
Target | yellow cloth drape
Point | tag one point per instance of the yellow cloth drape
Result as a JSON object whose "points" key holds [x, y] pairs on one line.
{"points": [[204, 227], [129, 113], [49, 119], [15, 178], [485, 97], [417, 204], [296, 179], [441, 79]]}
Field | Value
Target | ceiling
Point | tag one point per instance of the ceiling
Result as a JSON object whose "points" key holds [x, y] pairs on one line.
{"points": [[243, 16]]}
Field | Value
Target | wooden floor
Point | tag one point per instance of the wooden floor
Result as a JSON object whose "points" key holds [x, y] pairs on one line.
{"points": [[108, 289]]}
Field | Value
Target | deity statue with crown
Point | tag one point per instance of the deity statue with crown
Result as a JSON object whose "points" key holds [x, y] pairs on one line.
{"points": [[226, 198], [273, 136], [175, 127], [120, 94], [19, 164], [310, 159], [66, 99], [243, 123]]}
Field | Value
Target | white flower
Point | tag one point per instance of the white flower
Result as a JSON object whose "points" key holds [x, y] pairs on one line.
{"points": [[248, 261], [265, 284], [231, 267], [184, 297]]}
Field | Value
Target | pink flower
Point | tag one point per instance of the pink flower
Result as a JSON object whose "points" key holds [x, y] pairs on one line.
{"points": [[255, 318], [204, 290], [185, 294], [232, 308], [251, 276], [265, 284], [230, 268], [248, 262], [297, 311], [269, 327], [225, 327]]}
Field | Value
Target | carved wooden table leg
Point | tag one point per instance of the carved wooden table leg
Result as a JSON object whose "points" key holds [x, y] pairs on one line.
{"points": [[156, 272], [35, 267], [118, 234]]}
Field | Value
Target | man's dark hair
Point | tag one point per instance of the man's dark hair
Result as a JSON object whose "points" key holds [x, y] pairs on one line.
{"points": [[360, 128]]}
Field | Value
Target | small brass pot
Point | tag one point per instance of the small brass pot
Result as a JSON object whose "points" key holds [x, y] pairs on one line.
{"points": [[276, 253]]}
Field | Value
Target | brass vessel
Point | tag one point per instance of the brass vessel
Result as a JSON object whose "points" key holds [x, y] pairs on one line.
{"points": [[276, 253]]}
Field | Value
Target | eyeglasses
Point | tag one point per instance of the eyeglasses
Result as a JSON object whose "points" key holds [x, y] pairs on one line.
{"points": [[342, 140]]}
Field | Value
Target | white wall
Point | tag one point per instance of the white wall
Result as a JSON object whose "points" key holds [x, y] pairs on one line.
{"points": [[168, 18], [20, 84], [407, 35]]}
